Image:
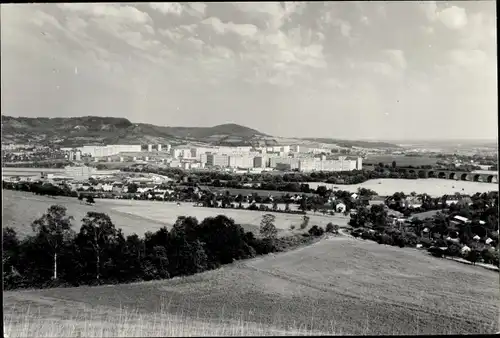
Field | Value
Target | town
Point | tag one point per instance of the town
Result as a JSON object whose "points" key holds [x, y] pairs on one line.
{"points": [[250, 169]]}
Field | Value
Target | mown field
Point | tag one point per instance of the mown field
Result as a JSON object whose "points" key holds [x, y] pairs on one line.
{"points": [[20, 209], [434, 187], [341, 286]]}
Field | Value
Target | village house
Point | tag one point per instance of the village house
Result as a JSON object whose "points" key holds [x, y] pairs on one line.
{"points": [[459, 220], [340, 207], [413, 202]]}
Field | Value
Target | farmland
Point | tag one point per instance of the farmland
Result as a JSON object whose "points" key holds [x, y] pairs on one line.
{"points": [[21, 209], [342, 286], [434, 187]]}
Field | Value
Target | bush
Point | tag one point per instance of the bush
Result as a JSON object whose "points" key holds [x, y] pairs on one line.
{"points": [[316, 231], [329, 227], [426, 243], [367, 235], [386, 239]]}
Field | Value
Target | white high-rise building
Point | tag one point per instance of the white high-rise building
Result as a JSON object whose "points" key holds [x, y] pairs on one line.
{"points": [[150, 147], [159, 147]]}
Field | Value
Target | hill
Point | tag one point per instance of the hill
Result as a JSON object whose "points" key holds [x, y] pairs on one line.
{"points": [[353, 143], [338, 286], [76, 131]]}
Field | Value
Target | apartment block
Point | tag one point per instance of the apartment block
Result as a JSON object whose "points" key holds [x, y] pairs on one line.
{"points": [[260, 162], [241, 161], [220, 160]]}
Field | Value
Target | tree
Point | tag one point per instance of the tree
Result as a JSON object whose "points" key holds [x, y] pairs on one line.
{"points": [[90, 199], [132, 188], [316, 231], [336, 229], [393, 164], [321, 190], [99, 233], [472, 256], [54, 227], [329, 227], [10, 250], [267, 228], [275, 206], [305, 222], [80, 197]]}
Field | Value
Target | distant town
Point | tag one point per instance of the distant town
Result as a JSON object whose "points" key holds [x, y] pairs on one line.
{"points": [[82, 163]]}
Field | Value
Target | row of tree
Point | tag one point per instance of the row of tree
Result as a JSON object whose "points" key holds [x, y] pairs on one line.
{"points": [[56, 255], [40, 188]]}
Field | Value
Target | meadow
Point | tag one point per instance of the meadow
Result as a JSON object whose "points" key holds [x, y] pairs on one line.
{"points": [[20, 209], [336, 286], [434, 187]]}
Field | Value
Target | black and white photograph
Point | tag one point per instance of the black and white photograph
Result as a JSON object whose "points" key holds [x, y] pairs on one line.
{"points": [[291, 168]]}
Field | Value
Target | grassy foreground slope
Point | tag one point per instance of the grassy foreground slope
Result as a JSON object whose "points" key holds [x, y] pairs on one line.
{"points": [[338, 286]]}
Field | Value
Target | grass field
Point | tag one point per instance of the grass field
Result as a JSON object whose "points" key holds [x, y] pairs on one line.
{"points": [[338, 286], [20, 209], [433, 186]]}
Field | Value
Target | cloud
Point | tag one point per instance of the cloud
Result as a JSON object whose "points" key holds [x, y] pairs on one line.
{"points": [[109, 11], [397, 58], [467, 58], [244, 30], [453, 17], [197, 8], [430, 10], [273, 14], [167, 7]]}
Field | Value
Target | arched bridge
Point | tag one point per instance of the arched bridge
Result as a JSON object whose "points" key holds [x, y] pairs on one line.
{"points": [[473, 176]]}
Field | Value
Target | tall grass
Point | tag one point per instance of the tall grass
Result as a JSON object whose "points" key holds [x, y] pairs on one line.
{"points": [[125, 323]]}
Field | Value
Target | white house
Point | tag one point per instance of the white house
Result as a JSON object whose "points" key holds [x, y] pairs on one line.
{"points": [[476, 238], [488, 241], [341, 207], [461, 219], [465, 249]]}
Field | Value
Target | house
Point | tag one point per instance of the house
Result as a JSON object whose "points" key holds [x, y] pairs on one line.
{"points": [[488, 241], [476, 238], [413, 202], [340, 207], [117, 188], [460, 220], [461, 200], [465, 249]]}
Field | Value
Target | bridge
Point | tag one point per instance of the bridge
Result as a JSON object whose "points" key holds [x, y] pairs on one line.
{"points": [[473, 176]]}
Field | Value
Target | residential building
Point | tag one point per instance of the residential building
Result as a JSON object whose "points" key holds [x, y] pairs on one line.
{"points": [[240, 161], [79, 172], [259, 161], [220, 160], [108, 150]]}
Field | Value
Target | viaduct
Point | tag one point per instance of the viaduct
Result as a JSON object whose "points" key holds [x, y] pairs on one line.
{"points": [[474, 176]]}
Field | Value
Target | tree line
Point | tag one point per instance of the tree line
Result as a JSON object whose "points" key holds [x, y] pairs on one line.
{"points": [[56, 255], [273, 181]]}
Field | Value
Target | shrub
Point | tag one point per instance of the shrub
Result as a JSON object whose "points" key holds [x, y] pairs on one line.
{"points": [[386, 239], [329, 227], [426, 243], [316, 231]]}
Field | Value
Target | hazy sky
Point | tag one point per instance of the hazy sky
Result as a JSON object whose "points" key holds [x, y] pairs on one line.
{"points": [[383, 70]]}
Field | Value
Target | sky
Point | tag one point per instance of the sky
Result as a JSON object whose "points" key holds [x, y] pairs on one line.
{"points": [[355, 70]]}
